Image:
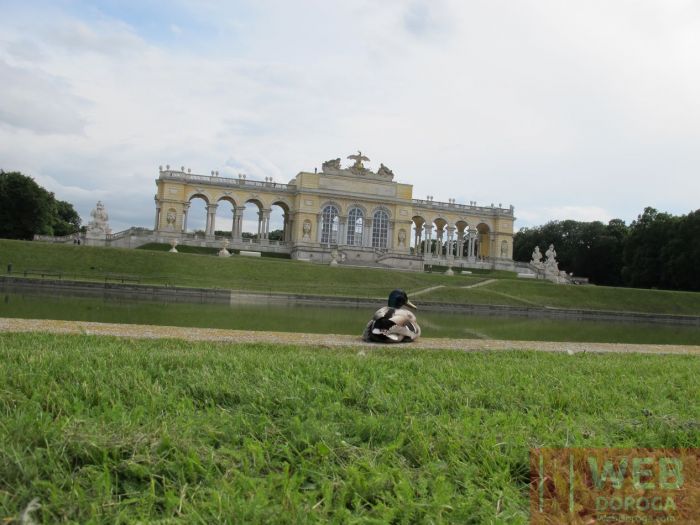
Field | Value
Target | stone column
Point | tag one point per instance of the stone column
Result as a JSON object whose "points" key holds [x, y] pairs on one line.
{"points": [[417, 239], [157, 216], [185, 209], [460, 244], [265, 224], [319, 227], [211, 219], [238, 222], [234, 221], [367, 236], [428, 239], [342, 230], [390, 235], [440, 239], [450, 240]]}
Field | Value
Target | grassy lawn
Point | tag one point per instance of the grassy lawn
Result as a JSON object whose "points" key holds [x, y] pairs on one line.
{"points": [[107, 430], [281, 275], [241, 273], [540, 293]]}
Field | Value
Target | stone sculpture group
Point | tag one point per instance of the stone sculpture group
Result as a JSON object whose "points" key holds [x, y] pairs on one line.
{"points": [[550, 267]]}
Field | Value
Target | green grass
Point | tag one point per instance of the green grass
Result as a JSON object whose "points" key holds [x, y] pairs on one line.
{"points": [[104, 430], [240, 273], [541, 293], [276, 275]]}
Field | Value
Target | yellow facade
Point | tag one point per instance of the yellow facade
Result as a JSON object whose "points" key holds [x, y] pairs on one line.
{"points": [[353, 214]]}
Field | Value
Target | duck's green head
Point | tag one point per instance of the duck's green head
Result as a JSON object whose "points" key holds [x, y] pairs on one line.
{"points": [[398, 298]]}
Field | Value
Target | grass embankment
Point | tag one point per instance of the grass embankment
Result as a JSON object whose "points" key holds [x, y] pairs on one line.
{"points": [[277, 275], [546, 294], [107, 430], [239, 273]]}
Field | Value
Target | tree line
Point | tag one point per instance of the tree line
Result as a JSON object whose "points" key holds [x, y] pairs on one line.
{"points": [[657, 250], [27, 209]]}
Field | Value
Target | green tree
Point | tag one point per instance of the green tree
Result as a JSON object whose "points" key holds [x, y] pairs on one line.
{"points": [[26, 208], [66, 219], [644, 250]]}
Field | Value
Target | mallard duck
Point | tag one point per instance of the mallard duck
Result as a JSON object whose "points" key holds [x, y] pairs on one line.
{"points": [[393, 323]]}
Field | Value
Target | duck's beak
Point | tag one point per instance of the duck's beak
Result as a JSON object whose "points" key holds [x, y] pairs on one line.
{"points": [[411, 305]]}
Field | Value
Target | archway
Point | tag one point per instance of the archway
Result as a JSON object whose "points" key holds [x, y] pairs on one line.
{"points": [[417, 241], [252, 222], [225, 216], [439, 236], [483, 241], [195, 216], [280, 226], [462, 240]]}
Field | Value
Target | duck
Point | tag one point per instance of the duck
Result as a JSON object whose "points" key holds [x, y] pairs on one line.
{"points": [[393, 323]]}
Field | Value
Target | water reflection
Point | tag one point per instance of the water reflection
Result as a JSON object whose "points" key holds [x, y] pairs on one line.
{"points": [[327, 319]]}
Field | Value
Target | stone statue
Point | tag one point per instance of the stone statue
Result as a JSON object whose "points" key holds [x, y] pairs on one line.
{"points": [[98, 225], [358, 160], [223, 252], [383, 171], [402, 238], [307, 231], [334, 257], [170, 219], [536, 257], [98, 228], [333, 164], [551, 265]]}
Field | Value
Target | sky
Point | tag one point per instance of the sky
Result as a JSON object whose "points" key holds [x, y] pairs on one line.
{"points": [[564, 109]]}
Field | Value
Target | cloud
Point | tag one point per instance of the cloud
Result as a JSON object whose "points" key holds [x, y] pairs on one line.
{"points": [[39, 102], [588, 109]]}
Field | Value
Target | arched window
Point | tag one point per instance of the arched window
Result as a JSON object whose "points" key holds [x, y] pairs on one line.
{"points": [[329, 225], [355, 222], [380, 229]]}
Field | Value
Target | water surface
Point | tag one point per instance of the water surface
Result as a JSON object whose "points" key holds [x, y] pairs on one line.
{"points": [[332, 320]]}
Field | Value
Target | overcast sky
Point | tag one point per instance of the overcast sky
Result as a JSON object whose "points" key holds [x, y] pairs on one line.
{"points": [[587, 110]]}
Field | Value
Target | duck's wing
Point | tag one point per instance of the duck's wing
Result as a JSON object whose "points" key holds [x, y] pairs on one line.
{"points": [[405, 324], [392, 325]]}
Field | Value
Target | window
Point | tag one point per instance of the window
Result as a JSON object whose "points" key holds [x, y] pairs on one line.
{"points": [[355, 222], [329, 225], [380, 229]]}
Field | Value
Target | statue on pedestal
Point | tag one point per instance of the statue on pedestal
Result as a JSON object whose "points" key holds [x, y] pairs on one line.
{"points": [[550, 264], [223, 252]]}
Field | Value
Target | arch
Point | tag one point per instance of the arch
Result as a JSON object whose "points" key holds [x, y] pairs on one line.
{"points": [[483, 240], [199, 195], [355, 227], [440, 235], [331, 203], [252, 219], [329, 224], [417, 241], [380, 228], [381, 208], [280, 217], [195, 216], [225, 215]]}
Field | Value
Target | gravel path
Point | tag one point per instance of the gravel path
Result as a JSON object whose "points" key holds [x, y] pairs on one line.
{"points": [[321, 340]]}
